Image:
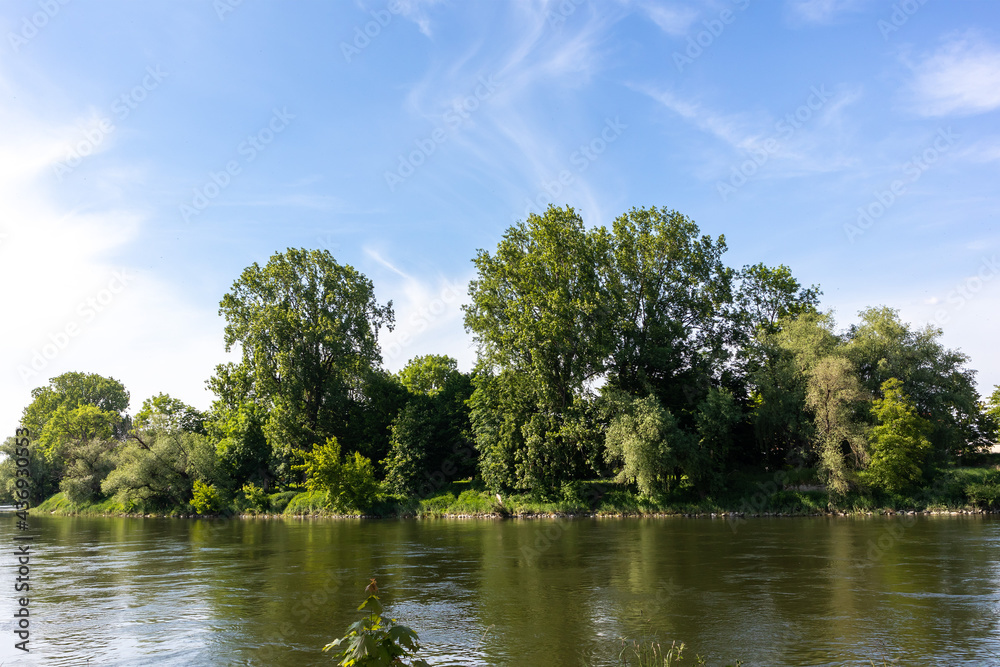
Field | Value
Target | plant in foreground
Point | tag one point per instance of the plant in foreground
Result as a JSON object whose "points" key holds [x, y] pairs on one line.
{"points": [[376, 641]]}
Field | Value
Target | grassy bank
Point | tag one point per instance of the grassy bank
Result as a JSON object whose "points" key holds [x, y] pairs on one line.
{"points": [[790, 493]]}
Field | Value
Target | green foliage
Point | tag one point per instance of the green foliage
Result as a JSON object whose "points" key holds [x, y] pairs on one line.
{"points": [[89, 462], [766, 296], [349, 484], [899, 442], [72, 409], [308, 331], [278, 502], [538, 314], [936, 379], [715, 420], [255, 499], [162, 412], [237, 426], [306, 502], [984, 495], [430, 438], [376, 640], [206, 498], [670, 305], [413, 438], [650, 655], [158, 469], [428, 374], [642, 442], [832, 391]]}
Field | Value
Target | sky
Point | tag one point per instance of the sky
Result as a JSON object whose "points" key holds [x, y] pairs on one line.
{"points": [[150, 151]]}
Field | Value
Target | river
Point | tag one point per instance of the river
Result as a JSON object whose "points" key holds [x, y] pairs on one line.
{"points": [[546, 593]]}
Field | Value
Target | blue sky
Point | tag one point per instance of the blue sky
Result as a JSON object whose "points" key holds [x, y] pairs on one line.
{"points": [[150, 151]]}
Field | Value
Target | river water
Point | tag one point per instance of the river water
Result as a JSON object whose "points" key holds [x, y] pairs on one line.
{"points": [[547, 593]]}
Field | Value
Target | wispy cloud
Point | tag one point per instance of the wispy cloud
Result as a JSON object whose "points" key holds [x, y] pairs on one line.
{"points": [[673, 20], [962, 77], [822, 11]]}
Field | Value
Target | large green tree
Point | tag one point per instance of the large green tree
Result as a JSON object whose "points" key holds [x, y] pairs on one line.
{"points": [[69, 412], [937, 379], [307, 329], [540, 318], [670, 310]]}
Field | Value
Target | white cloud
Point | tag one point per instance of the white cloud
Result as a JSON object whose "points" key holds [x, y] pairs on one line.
{"points": [[962, 77], [429, 318], [821, 11], [672, 20], [72, 299]]}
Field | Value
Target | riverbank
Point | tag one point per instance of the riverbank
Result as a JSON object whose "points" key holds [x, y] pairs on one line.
{"points": [[956, 491]]}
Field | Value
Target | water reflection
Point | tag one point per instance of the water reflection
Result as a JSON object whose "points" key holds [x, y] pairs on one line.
{"points": [[550, 593]]}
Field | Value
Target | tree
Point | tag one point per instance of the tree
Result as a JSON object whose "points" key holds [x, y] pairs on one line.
{"points": [[89, 462], [167, 413], [430, 437], [670, 310], [539, 317], [428, 374], [716, 418], [899, 441], [941, 386], [237, 427], [307, 328], [768, 295], [833, 389], [157, 469], [642, 442], [71, 410], [786, 354]]}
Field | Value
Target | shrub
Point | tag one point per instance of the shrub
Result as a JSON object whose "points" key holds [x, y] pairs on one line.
{"points": [[207, 499], [349, 484], [255, 500], [983, 495]]}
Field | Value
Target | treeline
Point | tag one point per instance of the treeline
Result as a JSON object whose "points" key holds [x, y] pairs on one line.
{"points": [[632, 355]]}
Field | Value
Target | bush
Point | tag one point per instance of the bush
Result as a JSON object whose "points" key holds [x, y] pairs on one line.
{"points": [[207, 499], [255, 500], [349, 485], [984, 495]]}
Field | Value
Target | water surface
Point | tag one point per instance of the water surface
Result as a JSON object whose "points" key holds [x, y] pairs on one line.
{"points": [[546, 593]]}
